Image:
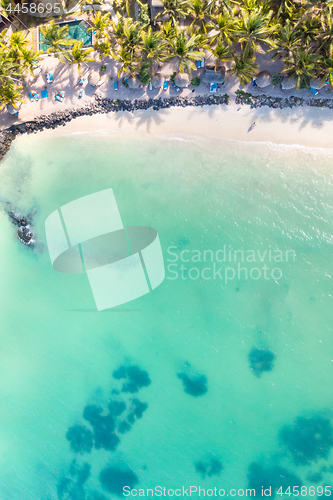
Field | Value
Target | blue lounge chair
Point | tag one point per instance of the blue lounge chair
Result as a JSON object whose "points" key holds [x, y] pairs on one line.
{"points": [[254, 82], [115, 85], [213, 87], [80, 94], [200, 63], [314, 91], [80, 82], [58, 98], [31, 97], [44, 93], [60, 93], [150, 86], [165, 85], [36, 96], [49, 77]]}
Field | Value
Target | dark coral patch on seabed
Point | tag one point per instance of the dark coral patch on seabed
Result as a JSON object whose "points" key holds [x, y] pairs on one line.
{"points": [[209, 467], [113, 479], [261, 360], [308, 439], [80, 438], [135, 378], [195, 384], [272, 477]]}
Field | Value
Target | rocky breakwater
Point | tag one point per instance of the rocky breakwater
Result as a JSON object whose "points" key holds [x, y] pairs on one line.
{"points": [[102, 105], [257, 101], [24, 233]]}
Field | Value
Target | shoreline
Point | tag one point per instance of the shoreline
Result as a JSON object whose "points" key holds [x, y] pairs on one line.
{"points": [[293, 122]]}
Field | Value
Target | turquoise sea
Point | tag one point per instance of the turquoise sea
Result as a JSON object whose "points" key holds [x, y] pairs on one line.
{"points": [[203, 382]]}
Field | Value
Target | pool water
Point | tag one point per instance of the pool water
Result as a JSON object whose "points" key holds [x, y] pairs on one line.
{"points": [[78, 30]]}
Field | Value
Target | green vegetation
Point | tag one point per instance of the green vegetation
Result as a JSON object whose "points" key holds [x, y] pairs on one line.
{"points": [[298, 32], [195, 81]]}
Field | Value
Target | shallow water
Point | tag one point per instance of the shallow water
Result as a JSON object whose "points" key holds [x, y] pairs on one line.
{"points": [[59, 354]]}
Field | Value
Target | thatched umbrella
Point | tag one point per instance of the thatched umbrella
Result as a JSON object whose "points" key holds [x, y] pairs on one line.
{"points": [[263, 79], [12, 110], [182, 79], [316, 83], [210, 76], [133, 82], [94, 78], [288, 83], [157, 81]]}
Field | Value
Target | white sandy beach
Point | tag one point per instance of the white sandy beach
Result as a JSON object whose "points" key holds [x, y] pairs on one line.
{"points": [[310, 127]]}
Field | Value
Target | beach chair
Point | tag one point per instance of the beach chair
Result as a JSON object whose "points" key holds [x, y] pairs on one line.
{"points": [[49, 77], [80, 94], [314, 91], [80, 82], [36, 96], [254, 84], [44, 93], [57, 97], [60, 93], [165, 85], [213, 87], [177, 88], [150, 87], [200, 63], [115, 85], [31, 97]]}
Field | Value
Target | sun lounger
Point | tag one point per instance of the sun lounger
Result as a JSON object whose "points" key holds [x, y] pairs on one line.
{"points": [[254, 84], [44, 93], [36, 96], [165, 85], [314, 91], [125, 81], [101, 81], [177, 88], [200, 63], [80, 82], [58, 98], [60, 93], [213, 87], [115, 85], [150, 86], [80, 94], [31, 97], [49, 77]]}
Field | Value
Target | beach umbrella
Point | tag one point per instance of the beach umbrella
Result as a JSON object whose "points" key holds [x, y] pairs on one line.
{"points": [[288, 83], [182, 79], [94, 78], [157, 81], [133, 82], [210, 76], [316, 83], [263, 79], [12, 110]]}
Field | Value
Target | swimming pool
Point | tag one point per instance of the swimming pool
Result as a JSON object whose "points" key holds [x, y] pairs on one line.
{"points": [[78, 30]]}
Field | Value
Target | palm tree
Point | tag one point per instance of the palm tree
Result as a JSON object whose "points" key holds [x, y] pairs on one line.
{"points": [[254, 28], [153, 48], [9, 70], [11, 94], [129, 62], [17, 42], [174, 9], [288, 37], [186, 50], [325, 35], [79, 55], [301, 64], [244, 67], [168, 30], [224, 24], [100, 24], [222, 53], [327, 69], [56, 37], [201, 11], [28, 59]]}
